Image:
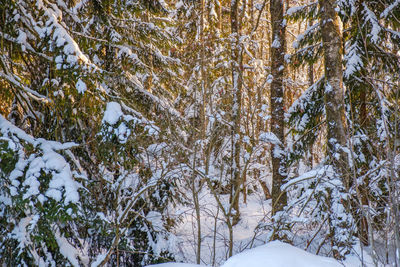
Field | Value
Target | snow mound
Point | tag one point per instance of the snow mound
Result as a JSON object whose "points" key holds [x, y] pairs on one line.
{"points": [[279, 254], [273, 254], [172, 264]]}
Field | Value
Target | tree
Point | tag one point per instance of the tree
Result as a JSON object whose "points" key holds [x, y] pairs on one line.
{"points": [[277, 104], [237, 84], [334, 89], [60, 75], [336, 169], [365, 51]]}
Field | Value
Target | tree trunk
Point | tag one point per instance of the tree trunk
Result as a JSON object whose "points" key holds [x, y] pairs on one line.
{"points": [[237, 81], [334, 104], [203, 118], [310, 72], [279, 172], [334, 91], [363, 188]]}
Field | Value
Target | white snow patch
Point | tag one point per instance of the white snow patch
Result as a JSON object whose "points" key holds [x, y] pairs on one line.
{"points": [[389, 9], [123, 133], [156, 220], [273, 254], [113, 113], [173, 264], [354, 62], [376, 28], [269, 138], [98, 260], [66, 249], [279, 254], [296, 9], [276, 43], [81, 86]]}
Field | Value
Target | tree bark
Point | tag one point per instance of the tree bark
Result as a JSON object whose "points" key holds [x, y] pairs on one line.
{"points": [[310, 74], [334, 103], [279, 172], [203, 117], [237, 83], [334, 90]]}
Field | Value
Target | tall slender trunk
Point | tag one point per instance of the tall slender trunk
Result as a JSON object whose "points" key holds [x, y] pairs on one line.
{"points": [[202, 125], [334, 90], [203, 119], [310, 72], [334, 104], [237, 81], [363, 225], [279, 172], [148, 83]]}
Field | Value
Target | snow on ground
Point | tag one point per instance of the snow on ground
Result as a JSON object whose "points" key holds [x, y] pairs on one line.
{"points": [[273, 254], [249, 241], [279, 254], [172, 264], [213, 229]]}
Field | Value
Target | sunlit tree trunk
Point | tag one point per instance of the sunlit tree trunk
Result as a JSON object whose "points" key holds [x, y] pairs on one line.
{"points": [[310, 76], [334, 90], [334, 102], [203, 118], [237, 83], [279, 172]]}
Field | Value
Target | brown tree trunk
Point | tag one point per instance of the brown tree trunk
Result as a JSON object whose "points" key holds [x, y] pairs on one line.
{"points": [[203, 118], [334, 91], [310, 72], [279, 172], [334, 100], [363, 231], [237, 81]]}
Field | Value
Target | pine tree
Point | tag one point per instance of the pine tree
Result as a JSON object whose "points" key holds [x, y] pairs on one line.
{"points": [[367, 55], [61, 74], [325, 37], [370, 75]]}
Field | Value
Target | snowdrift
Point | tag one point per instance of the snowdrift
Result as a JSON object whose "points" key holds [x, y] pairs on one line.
{"points": [[172, 264], [273, 254], [279, 254]]}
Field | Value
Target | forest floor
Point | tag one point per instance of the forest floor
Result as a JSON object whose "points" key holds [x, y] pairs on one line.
{"points": [[249, 247], [279, 254]]}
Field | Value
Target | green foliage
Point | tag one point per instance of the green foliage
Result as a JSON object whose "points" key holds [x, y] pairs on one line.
{"points": [[306, 12], [30, 217], [8, 158], [371, 41], [305, 118]]}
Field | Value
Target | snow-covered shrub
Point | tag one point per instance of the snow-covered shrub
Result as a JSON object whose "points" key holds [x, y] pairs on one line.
{"points": [[318, 214], [40, 201], [129, 193]]}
